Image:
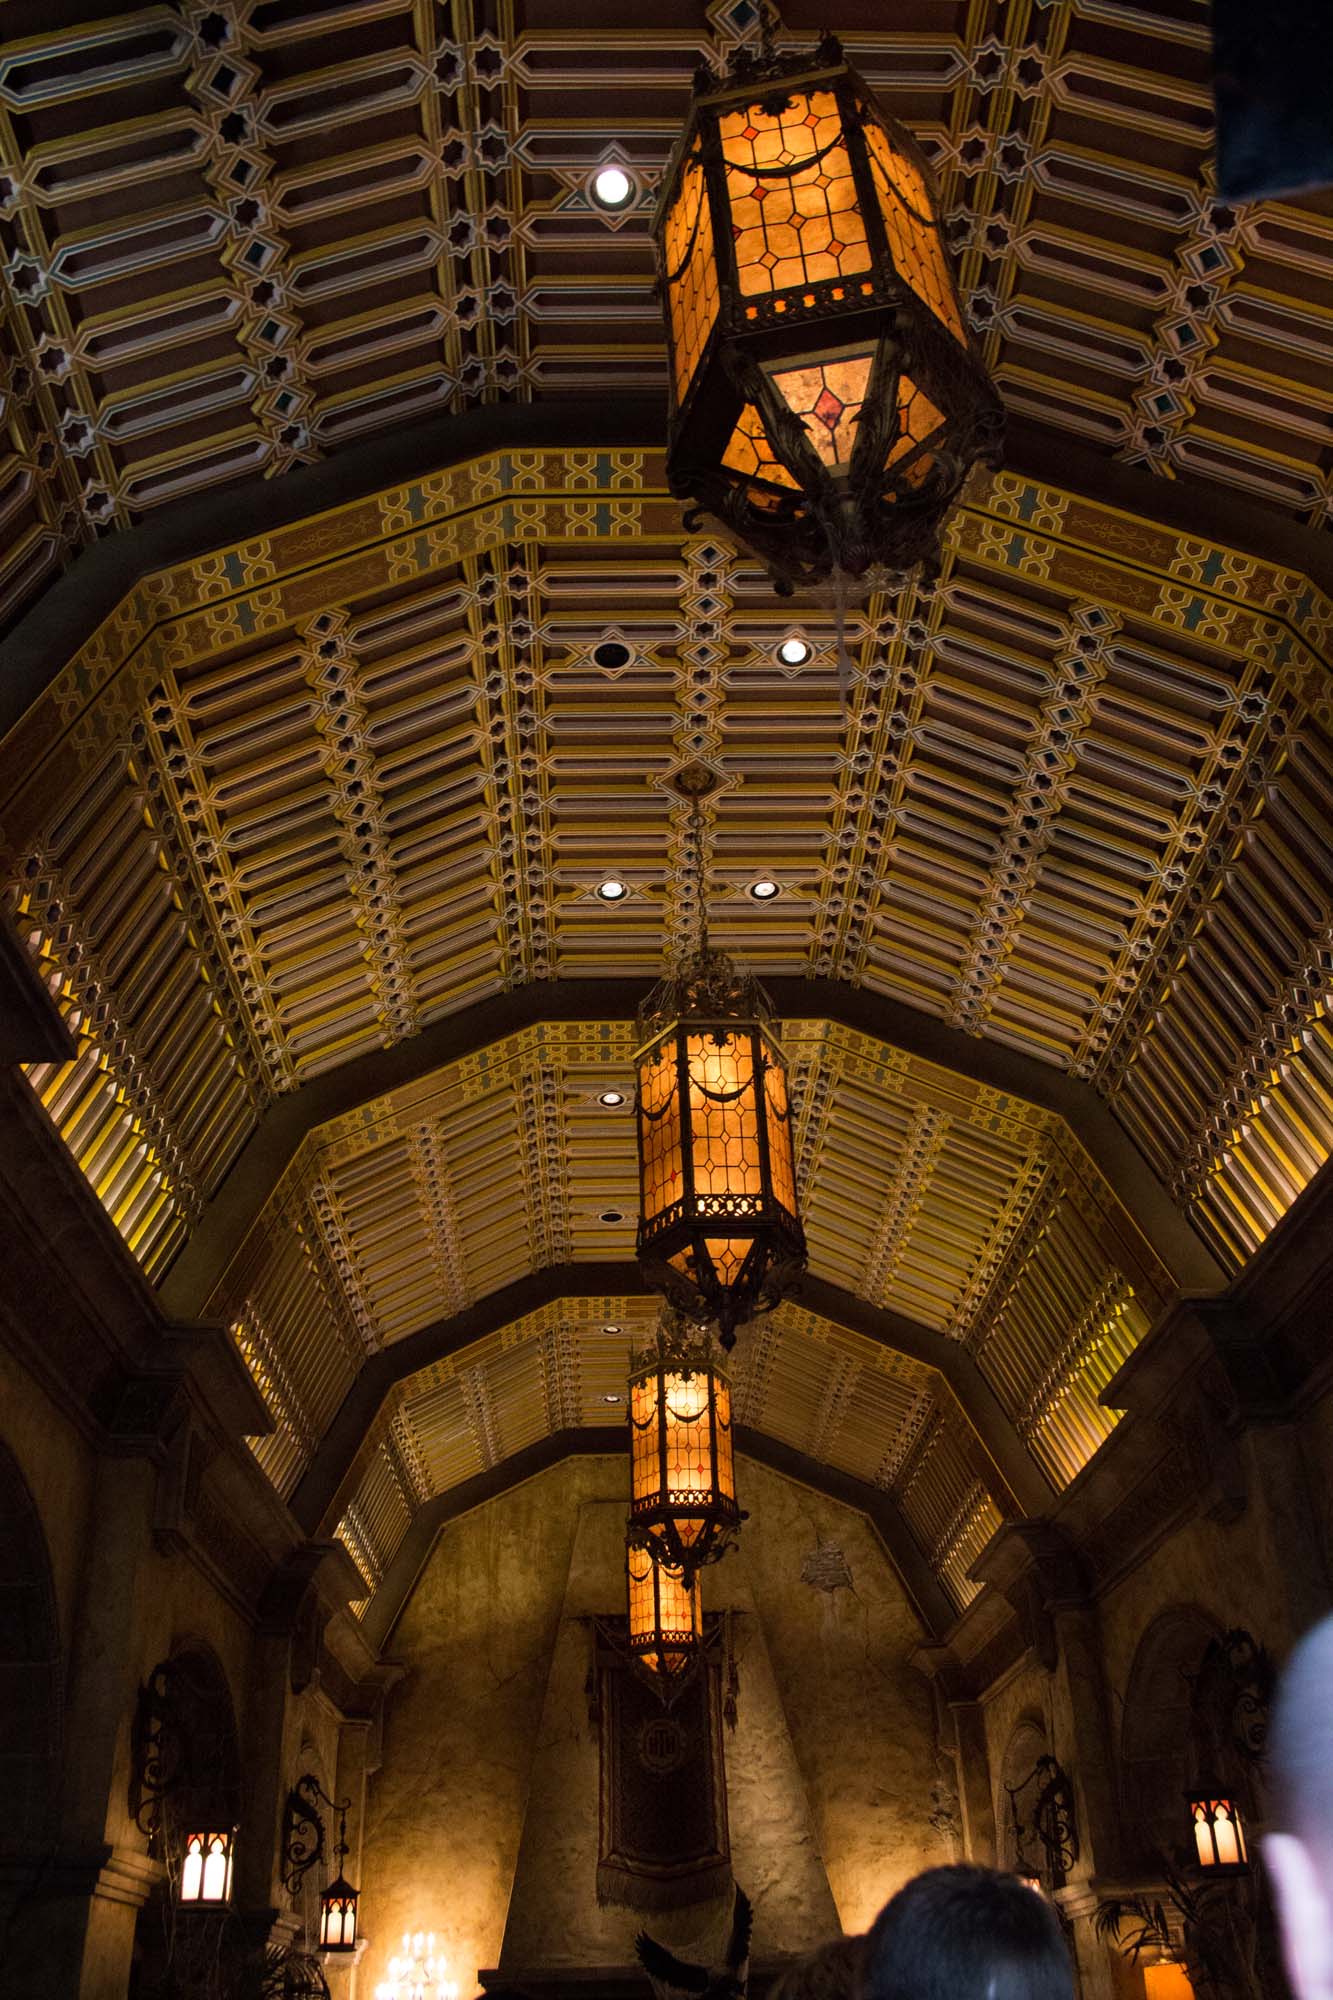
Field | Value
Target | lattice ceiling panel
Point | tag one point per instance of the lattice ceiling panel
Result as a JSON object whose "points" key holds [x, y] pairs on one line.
{"points": [[821, 1388], [352, 776], [238, 236]]}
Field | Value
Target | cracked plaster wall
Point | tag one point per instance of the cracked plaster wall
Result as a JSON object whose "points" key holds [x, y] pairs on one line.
{"points": [[490, 1771]]}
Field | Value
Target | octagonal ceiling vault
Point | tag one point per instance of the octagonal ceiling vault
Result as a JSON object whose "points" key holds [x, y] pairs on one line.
{"points": [[299, 801]]}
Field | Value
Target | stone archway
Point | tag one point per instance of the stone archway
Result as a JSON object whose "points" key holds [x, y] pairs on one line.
{"points": [[1157, 1733]]}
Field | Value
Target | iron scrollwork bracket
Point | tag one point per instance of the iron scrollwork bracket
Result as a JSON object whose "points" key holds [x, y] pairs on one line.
{"points": [[156, 1760], [1054, 1819], [303, 1841]]}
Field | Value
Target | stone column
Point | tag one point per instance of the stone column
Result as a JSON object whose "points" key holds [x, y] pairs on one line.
{"points": [[72, 1934]]}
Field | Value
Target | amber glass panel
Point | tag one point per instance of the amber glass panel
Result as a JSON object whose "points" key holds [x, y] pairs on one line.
{"points": [[827, 397], [782, 1171], [643, 1439], [663, 1611], [659, 1126], [794, 212], [909, 223], [750, 453], [724, 1133], [691, 275], [728, 1254], [917, 418]]}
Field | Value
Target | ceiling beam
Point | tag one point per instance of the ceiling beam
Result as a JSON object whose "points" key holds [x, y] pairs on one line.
{"points": [[221, 1229], [324, 1487], [924, 1591], [78, 600]]}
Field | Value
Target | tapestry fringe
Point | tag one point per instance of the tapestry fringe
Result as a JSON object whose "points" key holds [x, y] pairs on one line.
{"points": [[622, 1888]]}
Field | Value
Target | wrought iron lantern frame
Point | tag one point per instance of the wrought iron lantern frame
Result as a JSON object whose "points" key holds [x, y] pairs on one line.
{"points": [[888, 507], [303, 1848], [685, 1497]]}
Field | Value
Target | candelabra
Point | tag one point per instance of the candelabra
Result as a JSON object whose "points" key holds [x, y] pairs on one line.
{"points": [[416, 1973]]}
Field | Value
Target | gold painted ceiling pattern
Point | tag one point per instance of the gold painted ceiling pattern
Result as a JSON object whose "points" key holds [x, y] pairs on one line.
{"points": [[301, 799], [236, 235], [298, 800], [996, 1231], [819, 1387], [307, 796]]}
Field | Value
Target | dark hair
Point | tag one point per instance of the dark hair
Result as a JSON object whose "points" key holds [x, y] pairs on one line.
{"points": [[831, 1973], [966, 1934]]}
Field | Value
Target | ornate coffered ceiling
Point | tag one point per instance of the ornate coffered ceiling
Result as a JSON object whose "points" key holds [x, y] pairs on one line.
{"points": [[240, 234], [1056, 899]]}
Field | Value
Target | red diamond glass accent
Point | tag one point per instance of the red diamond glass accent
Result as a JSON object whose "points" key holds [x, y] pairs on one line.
{"points": [[829, 408], [749, 133]]}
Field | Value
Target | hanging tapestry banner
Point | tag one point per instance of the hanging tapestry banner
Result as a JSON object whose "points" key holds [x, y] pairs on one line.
{"points": [[664, 1841]]}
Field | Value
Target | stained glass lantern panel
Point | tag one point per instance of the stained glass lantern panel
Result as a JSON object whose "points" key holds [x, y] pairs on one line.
{"points": [[665, 1616], [682, 1460]]}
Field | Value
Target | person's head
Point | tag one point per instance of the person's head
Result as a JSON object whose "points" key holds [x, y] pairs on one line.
{"points": [[966, 1934], [831, 1973], [1299, 1855]]}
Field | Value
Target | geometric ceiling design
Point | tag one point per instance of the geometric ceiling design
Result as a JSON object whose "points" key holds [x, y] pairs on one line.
{"points": [[238, 236], [297, 802], [960, 1208]]}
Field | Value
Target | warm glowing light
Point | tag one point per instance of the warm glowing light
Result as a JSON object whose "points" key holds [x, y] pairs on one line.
{"points": [[764, 891], [612, 891], [611, 1098], [682, 1464], [612, 187], [802, 268], [206, 1867], [1219, 1832], [795, 652], [416, 1973], [665, 1618], [337, 1916], [1167, 1981], [718, 1229]]}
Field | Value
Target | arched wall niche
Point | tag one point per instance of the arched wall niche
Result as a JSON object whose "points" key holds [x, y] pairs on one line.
{"points": [[1027, 1742], [31, 1673], [1157, 1730]]}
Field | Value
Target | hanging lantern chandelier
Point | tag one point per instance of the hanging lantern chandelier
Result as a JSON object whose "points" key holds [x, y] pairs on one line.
{"points": [[682, 1460], [719, 1232], [665, 1615], [826, 405]]}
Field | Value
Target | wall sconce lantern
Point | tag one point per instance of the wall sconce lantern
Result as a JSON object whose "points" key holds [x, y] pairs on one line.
{"points": [[205, 1877], [682, 1462], [665, 1616], [303, 1849], [826, 404], [719, 1233], [1218, 1832]]}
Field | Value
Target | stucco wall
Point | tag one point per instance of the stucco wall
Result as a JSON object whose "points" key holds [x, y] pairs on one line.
{"points": [[489, 1779]]}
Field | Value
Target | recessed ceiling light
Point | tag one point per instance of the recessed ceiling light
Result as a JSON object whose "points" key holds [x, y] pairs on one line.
{"points": [[612, 891], [794, 652], [612, 188], [764, 891], [612, 1215], [611, 1399], [611, 654], [611, 1098], [611, 1329]]}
